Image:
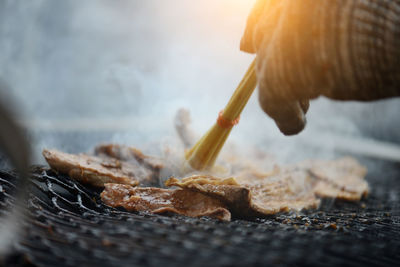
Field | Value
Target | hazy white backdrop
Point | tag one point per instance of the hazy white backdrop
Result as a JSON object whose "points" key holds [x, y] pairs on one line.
{"points": [[126, 67]]}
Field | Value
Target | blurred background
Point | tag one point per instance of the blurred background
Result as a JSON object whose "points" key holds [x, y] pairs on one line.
{"points": [[85, 72]]}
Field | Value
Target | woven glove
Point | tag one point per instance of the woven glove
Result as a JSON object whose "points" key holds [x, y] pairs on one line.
{"points": [[341, 49]]}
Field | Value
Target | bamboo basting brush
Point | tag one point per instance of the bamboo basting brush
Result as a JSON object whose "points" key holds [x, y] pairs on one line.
{"points": [[204, 153]]}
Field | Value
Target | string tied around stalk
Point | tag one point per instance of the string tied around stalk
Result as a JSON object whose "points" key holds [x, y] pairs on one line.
{"points": [[225, 123]]}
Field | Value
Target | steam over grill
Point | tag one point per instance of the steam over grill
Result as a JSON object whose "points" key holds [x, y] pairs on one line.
{"points": [[69, 226], [123, 86]]}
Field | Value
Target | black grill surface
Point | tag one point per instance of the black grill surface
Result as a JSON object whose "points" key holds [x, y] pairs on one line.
{"points": [[69, 226]]}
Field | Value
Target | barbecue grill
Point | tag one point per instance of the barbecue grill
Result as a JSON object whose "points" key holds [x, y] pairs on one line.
{"points": [[88, 72], [68, 226]]}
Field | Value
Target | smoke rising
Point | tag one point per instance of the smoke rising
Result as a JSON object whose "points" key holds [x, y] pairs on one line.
{"points": [[99, 71]]}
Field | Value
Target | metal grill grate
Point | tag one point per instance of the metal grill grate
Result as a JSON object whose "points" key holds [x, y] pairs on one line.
{"points": [[69, 226]]}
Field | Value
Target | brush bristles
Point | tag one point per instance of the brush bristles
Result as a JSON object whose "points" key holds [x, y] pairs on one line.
{"points": [[204, 153]]}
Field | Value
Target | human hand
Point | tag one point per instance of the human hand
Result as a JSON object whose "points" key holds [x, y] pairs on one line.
{"points": [[341, 49]]}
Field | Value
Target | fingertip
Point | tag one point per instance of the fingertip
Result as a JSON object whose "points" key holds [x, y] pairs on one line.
{"points": [[292, 127], [288, 116]]}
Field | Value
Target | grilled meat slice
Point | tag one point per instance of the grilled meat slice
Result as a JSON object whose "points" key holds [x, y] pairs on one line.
{"points": [[342, 179], [96, 170], [160, 201], [248, 197], [292, 188], [129, 154]]}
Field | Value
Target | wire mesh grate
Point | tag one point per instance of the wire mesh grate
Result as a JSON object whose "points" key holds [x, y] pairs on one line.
{"points": [[69, 226]]}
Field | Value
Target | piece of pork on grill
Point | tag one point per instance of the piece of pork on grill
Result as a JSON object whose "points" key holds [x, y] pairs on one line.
{"points": [[160, 201], [285, 189], [129, 154], [341, 179], [252, 196], [96, 170]]}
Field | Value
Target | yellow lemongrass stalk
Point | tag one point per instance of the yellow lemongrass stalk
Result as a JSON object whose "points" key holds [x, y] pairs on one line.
{"points": [[205, 152]]}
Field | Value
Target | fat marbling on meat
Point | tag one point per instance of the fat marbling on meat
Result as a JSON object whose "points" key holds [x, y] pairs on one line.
{"points": [[160, 201], [285, 189], [96, 170]]}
